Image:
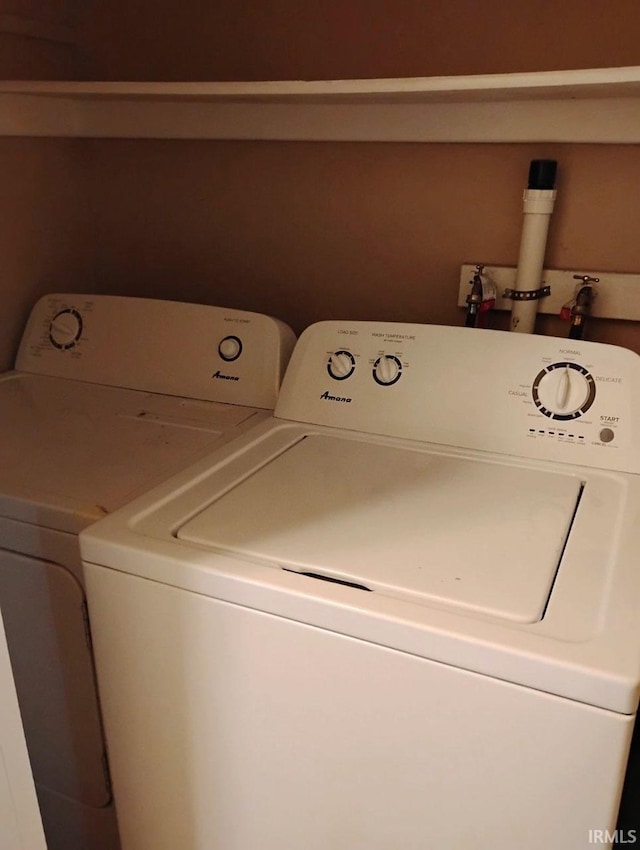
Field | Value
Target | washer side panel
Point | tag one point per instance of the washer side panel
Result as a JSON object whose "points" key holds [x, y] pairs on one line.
{"points": [[238, 729]]}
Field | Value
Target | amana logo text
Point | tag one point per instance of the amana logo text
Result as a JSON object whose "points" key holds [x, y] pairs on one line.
{"points": [[326, 397], [222, 377]]}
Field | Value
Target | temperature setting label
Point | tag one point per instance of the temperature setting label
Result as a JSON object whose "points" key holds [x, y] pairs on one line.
{"points": [[563, 391], [341, 365]]}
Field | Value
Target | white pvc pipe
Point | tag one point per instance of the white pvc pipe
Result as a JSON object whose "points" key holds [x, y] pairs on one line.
{"points": [[538, 206]]}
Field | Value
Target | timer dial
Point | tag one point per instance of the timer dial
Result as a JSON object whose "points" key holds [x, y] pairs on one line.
{"points": [[564, 391], [230, 348], [341, 365], [66, 328], [387, 370]]}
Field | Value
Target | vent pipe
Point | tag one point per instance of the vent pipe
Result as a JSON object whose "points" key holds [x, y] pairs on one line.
{"points": [[539, 199]]}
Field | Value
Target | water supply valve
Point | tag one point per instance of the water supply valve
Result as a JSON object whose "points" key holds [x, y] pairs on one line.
{"points": [[481, 299], [578, 309]]}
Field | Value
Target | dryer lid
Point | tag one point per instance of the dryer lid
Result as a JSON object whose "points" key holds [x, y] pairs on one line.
{"points": [[476, 534], [72, 451]]}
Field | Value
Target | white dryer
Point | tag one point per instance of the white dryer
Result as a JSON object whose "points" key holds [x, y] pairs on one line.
{"points": [[110, 396], [401, 613], [20, 821]]}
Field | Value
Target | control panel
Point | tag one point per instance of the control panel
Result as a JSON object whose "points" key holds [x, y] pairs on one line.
{"points": [[190, 350], [531, 396]]}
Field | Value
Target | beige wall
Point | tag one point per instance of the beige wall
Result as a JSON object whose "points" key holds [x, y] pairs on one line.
{"points": [[43, 239], [19, 60], [307, 231], [294, 39], [374, 231], [37, 39]]}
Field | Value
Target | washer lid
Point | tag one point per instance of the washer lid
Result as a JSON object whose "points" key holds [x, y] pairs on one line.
{"points": [[481, 535]]}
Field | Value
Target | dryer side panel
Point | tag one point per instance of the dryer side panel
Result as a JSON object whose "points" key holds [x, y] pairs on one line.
{"points": [[20, 824], [44, 615]]}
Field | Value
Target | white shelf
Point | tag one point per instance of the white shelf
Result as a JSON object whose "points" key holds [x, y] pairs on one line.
{"points": [[595, 105]]}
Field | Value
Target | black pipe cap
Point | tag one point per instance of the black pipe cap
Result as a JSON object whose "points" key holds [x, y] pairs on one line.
{"points": [[542, 173]]}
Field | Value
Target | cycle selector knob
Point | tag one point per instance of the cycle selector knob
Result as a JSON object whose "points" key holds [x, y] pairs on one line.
{"points": [[230, 348], [65, 329], [387, 370], [564, 391], [341, 365]]}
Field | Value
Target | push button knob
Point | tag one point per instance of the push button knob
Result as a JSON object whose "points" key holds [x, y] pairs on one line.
{"points": [[230, 348]]}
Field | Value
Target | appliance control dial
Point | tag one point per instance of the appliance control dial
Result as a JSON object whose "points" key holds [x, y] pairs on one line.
{"points": [[230, 348], [66, 328], [564, 391], [341, 365], [387, 370]]}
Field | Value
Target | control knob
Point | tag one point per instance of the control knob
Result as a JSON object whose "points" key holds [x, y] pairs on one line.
{"points": [[66, 328], [563, 391], [387, 370], [230, 348], [341, 365]]}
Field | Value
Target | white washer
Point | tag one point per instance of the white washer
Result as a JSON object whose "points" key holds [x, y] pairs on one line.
{"points": [[110, 396], [402, 613]]}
